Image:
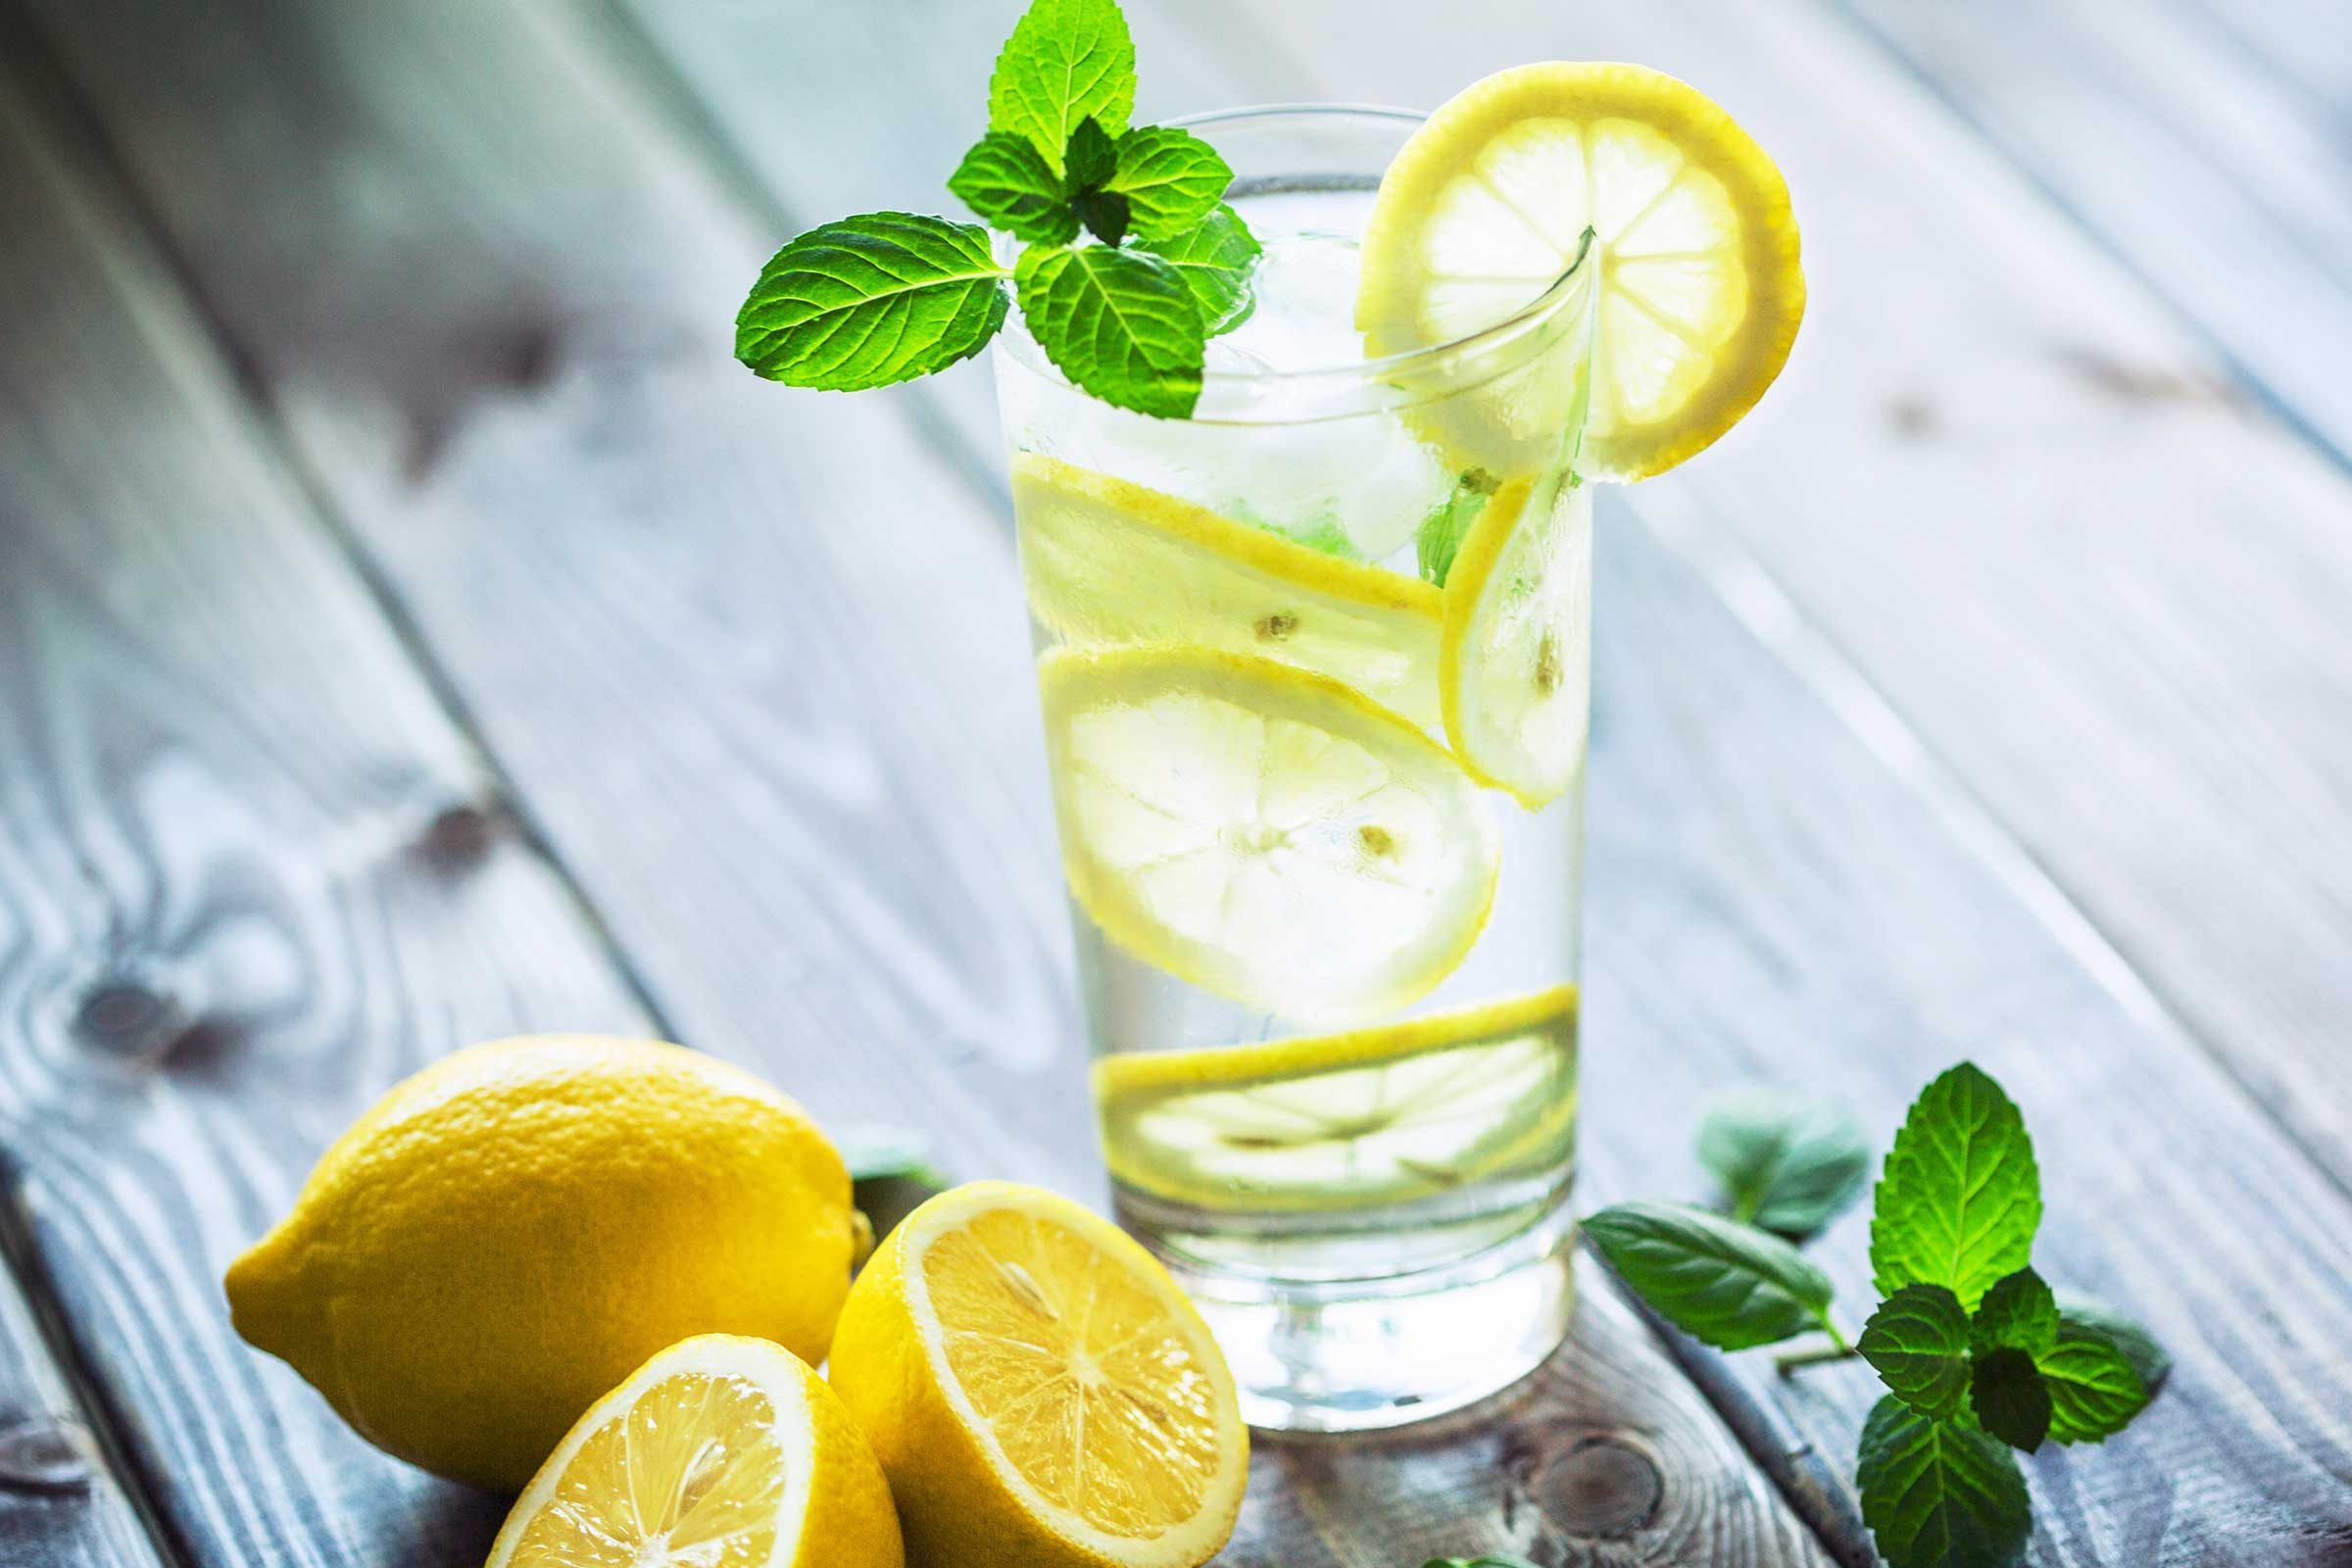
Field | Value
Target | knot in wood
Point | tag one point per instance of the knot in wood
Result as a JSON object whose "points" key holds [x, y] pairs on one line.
{"points": [[129, 1015], [1599, 1489], [44, 1454]]}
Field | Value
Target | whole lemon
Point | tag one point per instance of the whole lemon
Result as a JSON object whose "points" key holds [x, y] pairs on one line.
{"points": [[508, 1234]]}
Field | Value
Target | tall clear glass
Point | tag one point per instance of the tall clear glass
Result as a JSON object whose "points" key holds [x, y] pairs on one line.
{"points": [[1315, 666]]}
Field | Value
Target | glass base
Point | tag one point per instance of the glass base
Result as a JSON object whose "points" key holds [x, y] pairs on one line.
{"points": [[1354, 1355]]}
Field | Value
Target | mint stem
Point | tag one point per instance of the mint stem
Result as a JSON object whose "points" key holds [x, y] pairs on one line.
{"points": [[1837, 1349]]}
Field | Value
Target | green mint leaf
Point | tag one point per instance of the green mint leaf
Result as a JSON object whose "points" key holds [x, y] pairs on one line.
{"points": [[2009, 1397], [1067, 61], [1104, 214], [1171, 179], [1324, 535], [1961, 1197], [872, 1153], [871, 300], [1444, 527], [2018, 1312], [1478, 1562], [1119, 323], [1939, 1496], [1918, 1341], [1214, 258], [2147, 1357], [1788, 1163], [1091, 158], [1008, 182], [2094, 1391], [1727, 1284]]}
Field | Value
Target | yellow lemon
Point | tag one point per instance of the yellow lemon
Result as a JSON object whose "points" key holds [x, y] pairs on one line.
{"points": [[719, 1452], [1040, 1393], [507, 1234], [1694, 242]]}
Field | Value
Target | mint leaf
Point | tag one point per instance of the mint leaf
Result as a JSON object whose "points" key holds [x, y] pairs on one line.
{"points": [[1961, 1197], [1091, 158], [1171, 179], [1104, 213], [1214, 258], [1788, 1163], [1727, 1284], [1439, 538], [2147, 1357], [1067, 61], [1008, 182], [872, 300], [1119, 323], [1918, 1341], [2019, 1311], [1478, 1562], [1324, 535], [2094, 1391], [1938, 1496], [2009, 1396]]}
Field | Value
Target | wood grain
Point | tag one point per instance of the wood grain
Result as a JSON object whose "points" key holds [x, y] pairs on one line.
{"points": [[249, 874], [774, 723], [61, 1505], [2203, 145]]}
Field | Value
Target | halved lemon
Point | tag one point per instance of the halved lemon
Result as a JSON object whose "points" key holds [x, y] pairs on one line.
{"points": [[1039, 1392], [1379, 1115], [1108, 561], [1701, 289], [1514, 672], [719, 1452], [1263, 831]]}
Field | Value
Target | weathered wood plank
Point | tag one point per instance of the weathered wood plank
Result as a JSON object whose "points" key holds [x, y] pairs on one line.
{"points": [[60, 1505], [249, 874], [2002, 478], [771, 666], [2205, 146]]}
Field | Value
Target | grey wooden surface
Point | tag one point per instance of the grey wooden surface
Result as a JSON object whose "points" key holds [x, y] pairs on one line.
{"points": [[606, 686]]}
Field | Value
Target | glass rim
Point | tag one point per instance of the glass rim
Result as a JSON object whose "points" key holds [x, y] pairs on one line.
{"points": [[1410, 363]]}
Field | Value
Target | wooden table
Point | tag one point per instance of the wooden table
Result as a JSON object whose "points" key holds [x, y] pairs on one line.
{"points": [[413, 628]]}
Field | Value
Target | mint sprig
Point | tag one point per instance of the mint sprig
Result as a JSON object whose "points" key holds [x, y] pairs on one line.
{"points": [[889, 296], [1979, 1356]]}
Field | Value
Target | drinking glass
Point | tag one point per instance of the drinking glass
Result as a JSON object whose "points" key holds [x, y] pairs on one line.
{"points": [[1329, 968]]}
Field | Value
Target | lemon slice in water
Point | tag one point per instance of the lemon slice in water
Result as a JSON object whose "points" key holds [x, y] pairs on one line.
{"points": [[1338, 1121], [1514, 672], [1107, 560], [1263, 831], [1700, 286]]}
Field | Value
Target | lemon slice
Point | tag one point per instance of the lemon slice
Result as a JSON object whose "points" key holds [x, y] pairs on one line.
{"points": [[1263, 831], [1107, 560], [1515, 670], [719, 1452], [1038, 1390], [1700, 286], [1379, 1115]]}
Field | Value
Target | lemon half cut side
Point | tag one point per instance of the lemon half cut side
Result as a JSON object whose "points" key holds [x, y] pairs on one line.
{"points": [[1700, 284], [719, 1452], [1039, 1392]]}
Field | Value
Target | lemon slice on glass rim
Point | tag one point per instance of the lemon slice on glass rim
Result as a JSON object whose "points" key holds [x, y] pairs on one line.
{"points": [[1105, 560], [1699, 284], [720, 1449], [1379, 1115], [1263, 831]]}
